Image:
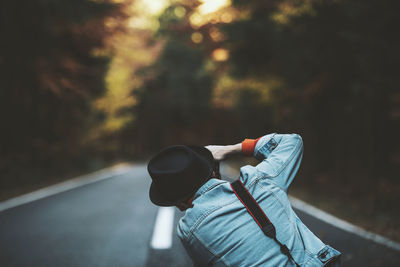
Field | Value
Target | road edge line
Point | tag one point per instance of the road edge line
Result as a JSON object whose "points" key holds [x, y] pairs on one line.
{"points": [[79, 181], [342, 224]]}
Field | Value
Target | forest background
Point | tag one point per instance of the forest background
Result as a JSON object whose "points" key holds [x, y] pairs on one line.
{"points": [[87, 83]]}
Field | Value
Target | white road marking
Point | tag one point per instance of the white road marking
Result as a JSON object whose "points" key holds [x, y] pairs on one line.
{"points": [[341, 224], [162, 234], [103, 174]]}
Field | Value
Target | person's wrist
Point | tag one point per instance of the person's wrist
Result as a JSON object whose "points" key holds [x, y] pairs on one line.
{"points": [[237, 148], [248, 146]]}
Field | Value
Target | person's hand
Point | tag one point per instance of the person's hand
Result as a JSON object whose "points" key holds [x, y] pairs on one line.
{"points": [[220, 152]]}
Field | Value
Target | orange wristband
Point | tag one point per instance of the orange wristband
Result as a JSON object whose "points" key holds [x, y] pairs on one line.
{"points": [[248, 146]]}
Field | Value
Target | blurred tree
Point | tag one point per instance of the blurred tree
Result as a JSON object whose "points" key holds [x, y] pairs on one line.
{"points": [[174, 99], [49, 74], [183, 98], [212, 72], [175, 96], [337, 62]]}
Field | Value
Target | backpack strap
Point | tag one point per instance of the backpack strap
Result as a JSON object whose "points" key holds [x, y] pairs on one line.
{"points": [[258, 215]]}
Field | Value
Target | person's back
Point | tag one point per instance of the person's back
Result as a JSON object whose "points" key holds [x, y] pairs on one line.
{"points": [[217, 229]]}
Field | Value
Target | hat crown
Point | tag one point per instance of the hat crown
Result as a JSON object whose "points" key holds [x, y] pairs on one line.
{"points": [[177, 172], [170, 160]]}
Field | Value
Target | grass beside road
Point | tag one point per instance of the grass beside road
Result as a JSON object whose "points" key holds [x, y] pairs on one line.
{"points": [[358, 210]]}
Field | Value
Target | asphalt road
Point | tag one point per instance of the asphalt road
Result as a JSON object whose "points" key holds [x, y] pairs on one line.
{"points": [[110, 223]]}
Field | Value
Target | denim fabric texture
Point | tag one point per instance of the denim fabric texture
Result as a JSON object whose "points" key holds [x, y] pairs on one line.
{"points": [[218, 230]]}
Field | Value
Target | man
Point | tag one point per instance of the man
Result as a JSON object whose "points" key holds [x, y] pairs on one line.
{"points": [[218, 229]]}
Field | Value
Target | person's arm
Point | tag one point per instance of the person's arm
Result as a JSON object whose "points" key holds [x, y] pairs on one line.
{"points": [[246, 148], [280, 156], [220, 152]]}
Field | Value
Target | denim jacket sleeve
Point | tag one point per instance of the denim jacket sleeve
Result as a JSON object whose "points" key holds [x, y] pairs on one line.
{"points": [[280, 156]]}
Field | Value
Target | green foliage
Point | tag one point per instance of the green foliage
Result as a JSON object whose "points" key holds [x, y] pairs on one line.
{"points": [[175, 96], [48, 77], [324, 69], [337, 60]]}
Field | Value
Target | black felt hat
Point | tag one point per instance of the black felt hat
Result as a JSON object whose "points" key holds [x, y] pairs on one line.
{"points": [[178, 172]]}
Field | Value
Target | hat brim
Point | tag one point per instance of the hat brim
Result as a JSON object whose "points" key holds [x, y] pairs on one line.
{"points": [[160, 199]]}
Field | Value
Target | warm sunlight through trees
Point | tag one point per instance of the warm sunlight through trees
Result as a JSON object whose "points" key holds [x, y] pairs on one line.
{"points": [[87, 82]]}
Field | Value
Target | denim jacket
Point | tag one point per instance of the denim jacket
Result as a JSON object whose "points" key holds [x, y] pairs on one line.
{"points": [[218, 230]]}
